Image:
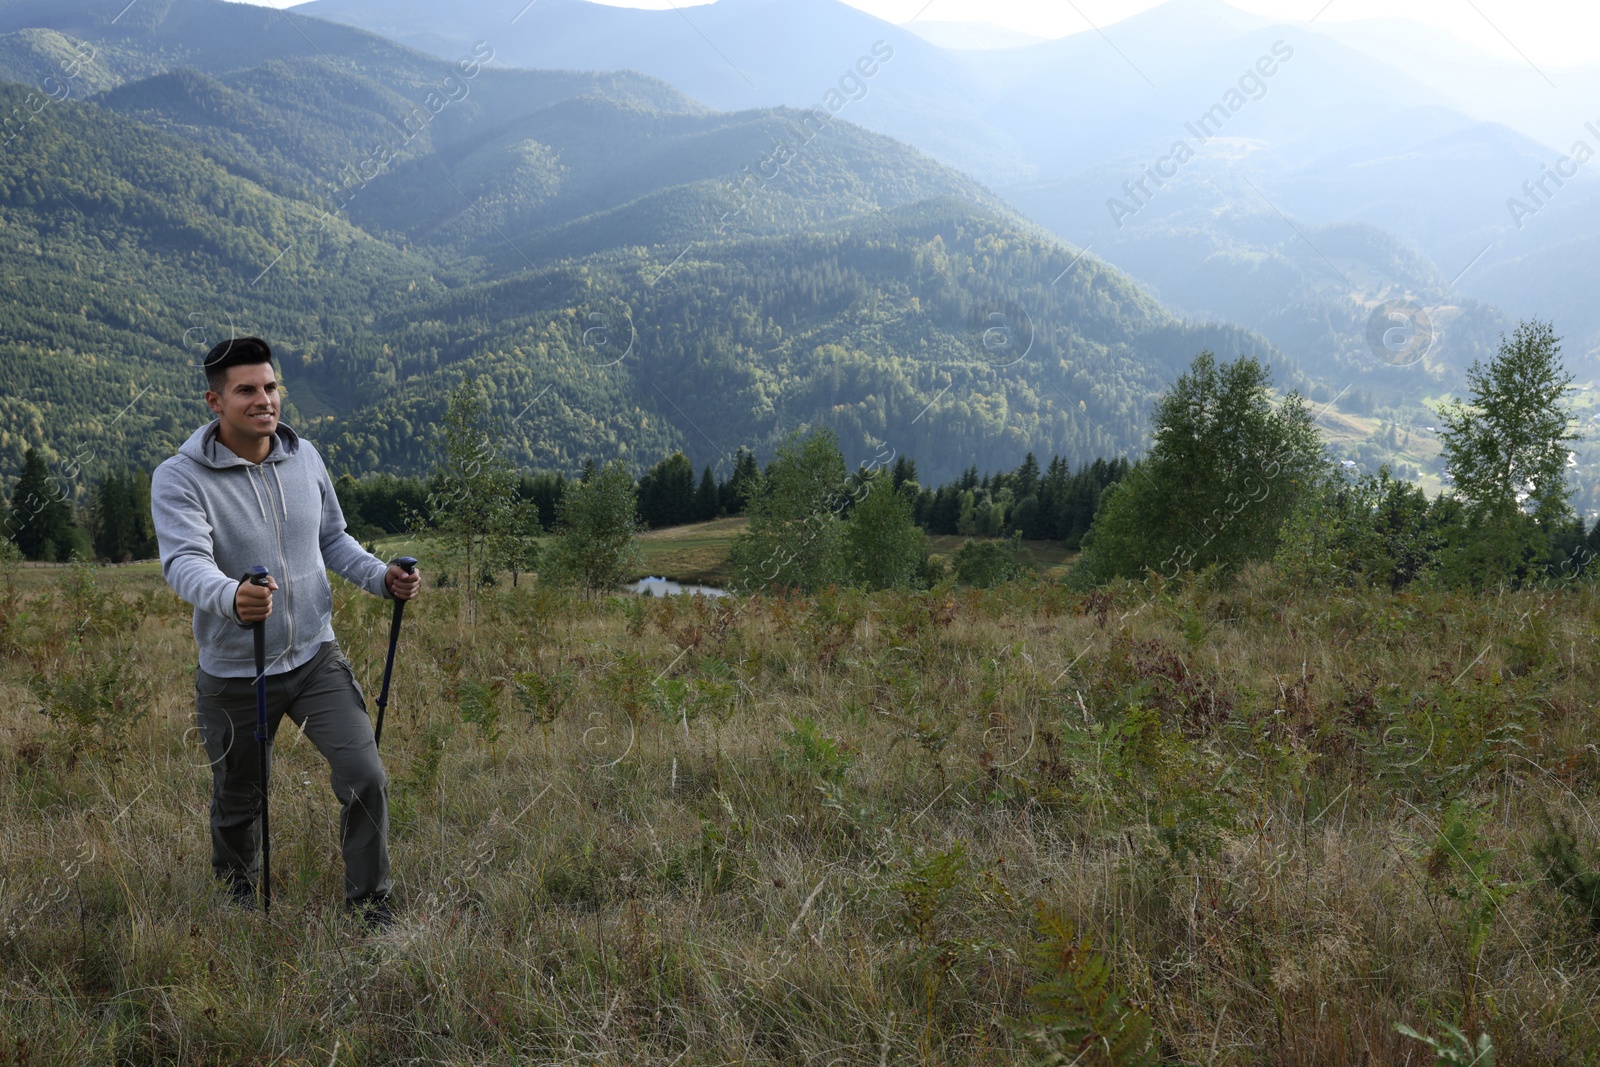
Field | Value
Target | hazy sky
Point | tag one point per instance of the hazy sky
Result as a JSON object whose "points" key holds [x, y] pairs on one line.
{"points": [[1546, 33]]}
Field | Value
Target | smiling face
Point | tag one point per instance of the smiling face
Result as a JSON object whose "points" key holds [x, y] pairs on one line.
{"points": [[247, 407]]}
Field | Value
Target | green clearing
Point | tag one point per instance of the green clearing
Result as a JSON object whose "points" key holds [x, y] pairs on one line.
{"points": [[694, 553], [698, 552]]}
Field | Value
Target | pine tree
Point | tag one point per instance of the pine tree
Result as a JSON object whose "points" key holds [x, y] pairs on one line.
{"points": [[667, 493], [741, 483], [40, 519], [707, 500], [944, 515], [905, 470], [1053, 489], [120, 517], [110, 515], [545, 492], [1025, 482]]}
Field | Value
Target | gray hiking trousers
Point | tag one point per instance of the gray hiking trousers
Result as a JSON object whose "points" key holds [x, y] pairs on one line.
{"points": [[322, 697]]}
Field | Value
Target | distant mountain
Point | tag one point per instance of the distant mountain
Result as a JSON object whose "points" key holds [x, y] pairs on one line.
{"points": [[155, 35], [591, 173], [899, 330], [302, 123], [626, 271], [1547, 103], [1381, 123], [730, 55]]}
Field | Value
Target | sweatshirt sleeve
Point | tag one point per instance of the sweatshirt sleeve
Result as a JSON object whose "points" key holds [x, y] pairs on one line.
{"points": [[342, 553], [188, 560]]}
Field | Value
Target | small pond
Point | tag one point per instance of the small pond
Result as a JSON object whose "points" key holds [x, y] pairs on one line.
{"points": [[667, 587]]}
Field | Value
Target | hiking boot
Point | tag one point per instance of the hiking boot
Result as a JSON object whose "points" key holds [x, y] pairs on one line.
{"points": [[374, 912], [241, 892]]}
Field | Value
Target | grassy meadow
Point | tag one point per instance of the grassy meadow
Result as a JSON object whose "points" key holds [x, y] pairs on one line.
{"points": [[699, 552], [842, 829]]}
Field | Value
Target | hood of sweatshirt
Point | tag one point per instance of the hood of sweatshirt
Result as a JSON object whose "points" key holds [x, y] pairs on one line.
{"points": [[206, 449]]}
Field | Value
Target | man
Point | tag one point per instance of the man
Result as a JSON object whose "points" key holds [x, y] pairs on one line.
{"points": [[246, 490]]}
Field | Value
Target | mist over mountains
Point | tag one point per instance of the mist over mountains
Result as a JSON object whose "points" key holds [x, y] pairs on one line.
{"points": [[1389, 125]]}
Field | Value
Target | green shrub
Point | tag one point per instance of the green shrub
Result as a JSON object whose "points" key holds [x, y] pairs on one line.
{"points": [[985, 564], [96, 702]]}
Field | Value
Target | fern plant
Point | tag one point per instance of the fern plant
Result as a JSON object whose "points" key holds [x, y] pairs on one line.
{"points": [[1460, 867], [1081, 1017], [480, 706], [931, 890], [544, 696], [817, 752], [1572, 873]]}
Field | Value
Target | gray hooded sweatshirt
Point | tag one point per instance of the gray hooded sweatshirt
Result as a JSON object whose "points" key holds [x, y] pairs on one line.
{"points": [[217, 515]]}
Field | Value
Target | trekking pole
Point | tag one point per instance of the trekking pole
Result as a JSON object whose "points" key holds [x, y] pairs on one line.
{"points": [[258, 576], [409, 565]]}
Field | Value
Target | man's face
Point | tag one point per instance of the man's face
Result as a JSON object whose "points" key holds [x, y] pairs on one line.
{"points": [[248, 402]]}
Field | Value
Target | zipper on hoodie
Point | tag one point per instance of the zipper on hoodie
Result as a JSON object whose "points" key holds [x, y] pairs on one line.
{"points": [[277, 528]]}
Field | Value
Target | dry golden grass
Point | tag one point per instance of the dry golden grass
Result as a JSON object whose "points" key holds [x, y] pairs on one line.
{"points": [[716, 848]]}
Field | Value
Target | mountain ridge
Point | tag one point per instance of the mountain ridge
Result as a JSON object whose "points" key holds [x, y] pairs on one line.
{"points": [[850, 282]]}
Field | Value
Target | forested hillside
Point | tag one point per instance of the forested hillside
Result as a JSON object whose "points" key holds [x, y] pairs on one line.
{"points": [[627, 272], [123, 251], [862, 327]]}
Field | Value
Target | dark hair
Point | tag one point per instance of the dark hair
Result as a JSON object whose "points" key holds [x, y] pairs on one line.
{"points": [[239, 352]]}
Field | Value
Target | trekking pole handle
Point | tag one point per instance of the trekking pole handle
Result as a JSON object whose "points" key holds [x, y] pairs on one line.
{"points": [[406, 563], [258, 576]]}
